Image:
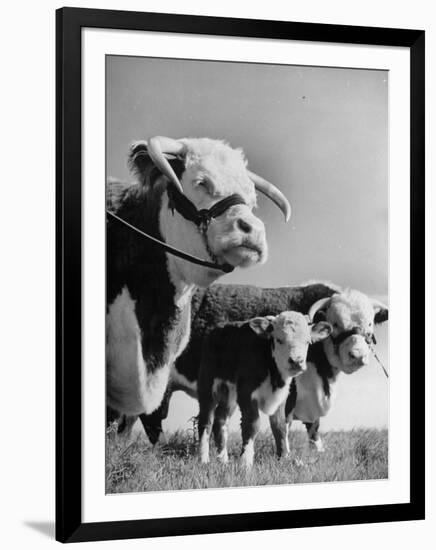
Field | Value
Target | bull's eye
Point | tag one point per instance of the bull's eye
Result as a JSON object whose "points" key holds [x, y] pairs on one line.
{"points": [[279, 341], [203, 183]]}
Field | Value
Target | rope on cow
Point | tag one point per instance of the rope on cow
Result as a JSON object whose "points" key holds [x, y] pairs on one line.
{"points": [[379, 362], [227, 268]]}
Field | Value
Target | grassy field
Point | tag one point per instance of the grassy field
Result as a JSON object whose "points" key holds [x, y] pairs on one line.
{"points": [[132, 465]]}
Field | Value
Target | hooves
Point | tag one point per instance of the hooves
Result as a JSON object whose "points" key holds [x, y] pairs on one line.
{"points": [[317, 445]]}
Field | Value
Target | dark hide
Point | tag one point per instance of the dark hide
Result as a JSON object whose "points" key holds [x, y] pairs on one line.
{"points": [[136, 263], [236, 354], [325, 371]]}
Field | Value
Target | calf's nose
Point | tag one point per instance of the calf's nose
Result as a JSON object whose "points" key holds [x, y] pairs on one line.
{"points": [[358, 359], [298, 362]]}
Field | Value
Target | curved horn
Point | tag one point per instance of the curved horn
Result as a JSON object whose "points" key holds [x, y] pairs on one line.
{"points": [[158, 146], [381, 311], [317, 306], [272, 193]]}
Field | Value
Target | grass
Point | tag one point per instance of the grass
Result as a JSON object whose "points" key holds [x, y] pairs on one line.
{"points": [[132, 465]]}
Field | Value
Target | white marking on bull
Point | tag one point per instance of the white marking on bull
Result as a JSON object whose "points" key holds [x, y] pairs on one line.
{"points": [[138, 388]]}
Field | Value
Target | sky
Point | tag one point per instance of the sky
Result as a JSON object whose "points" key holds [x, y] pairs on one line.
{"points": [[321, 136]]}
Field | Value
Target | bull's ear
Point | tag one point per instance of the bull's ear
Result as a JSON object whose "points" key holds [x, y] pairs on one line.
{"points": [[320, 331], [142, 165], [139, 159], [262, 326], [381, 311]]}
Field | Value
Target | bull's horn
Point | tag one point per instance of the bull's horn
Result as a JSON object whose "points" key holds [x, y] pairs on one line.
{"points": [[271, 192], [158, 146], [316, 307], [381, 311]]}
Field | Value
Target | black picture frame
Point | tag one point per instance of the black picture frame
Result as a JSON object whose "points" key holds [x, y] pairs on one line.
{"points": [[69, 23]]}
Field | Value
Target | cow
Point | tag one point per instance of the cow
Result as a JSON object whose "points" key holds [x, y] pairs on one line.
{"points": [[192, 196], [250, 364]]}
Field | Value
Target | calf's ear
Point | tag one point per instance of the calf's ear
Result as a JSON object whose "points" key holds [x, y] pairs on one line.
{"points": [[320, 331], [262, 326], [381, 312]]}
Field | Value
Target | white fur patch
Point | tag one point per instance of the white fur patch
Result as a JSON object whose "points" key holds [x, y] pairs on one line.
{"points": [[132, 389], [223, 455], [312, 402], [204, 447], [179, 381], [318, 444], [269, 399], [185, 236], [247, 456]]}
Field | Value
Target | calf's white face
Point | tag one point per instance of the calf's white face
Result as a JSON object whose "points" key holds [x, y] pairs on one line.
{"points": [[291, 334], [352, 316]]}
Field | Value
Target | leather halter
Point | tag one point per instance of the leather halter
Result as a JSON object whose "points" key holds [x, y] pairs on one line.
{"points": [[337, 340], [201, 218], [369, 339]]}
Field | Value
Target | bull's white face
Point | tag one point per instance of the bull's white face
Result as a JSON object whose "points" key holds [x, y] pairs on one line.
{"points": [[213, 173], [347, 311], [290, 334]]}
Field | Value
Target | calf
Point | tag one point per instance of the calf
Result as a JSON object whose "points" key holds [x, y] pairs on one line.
{"points": [[352, 315], [250, 364], [216, 306]]}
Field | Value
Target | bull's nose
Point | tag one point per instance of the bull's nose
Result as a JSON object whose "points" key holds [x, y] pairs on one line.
{"points": [[244, 226]]}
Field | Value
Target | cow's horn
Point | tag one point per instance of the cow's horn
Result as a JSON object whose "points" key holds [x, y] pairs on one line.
{"points": [[317, 306], [158, 146], [271, 192]]}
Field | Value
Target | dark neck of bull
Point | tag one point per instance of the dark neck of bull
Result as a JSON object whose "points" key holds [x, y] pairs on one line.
{"points": [[326, 372], [135, 263]]}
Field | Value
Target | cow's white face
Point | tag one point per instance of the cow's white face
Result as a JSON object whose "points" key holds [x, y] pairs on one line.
{"points": [[215, 171], [350, 311], [290, 334]]}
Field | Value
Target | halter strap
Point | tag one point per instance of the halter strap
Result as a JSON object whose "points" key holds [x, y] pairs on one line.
{"points": [[226, 268], [337, 340], [369, 338], [201, 218]]}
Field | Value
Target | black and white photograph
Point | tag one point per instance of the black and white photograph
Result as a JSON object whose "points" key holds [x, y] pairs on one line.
{"points": [[217, 275], [247, 270]]}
